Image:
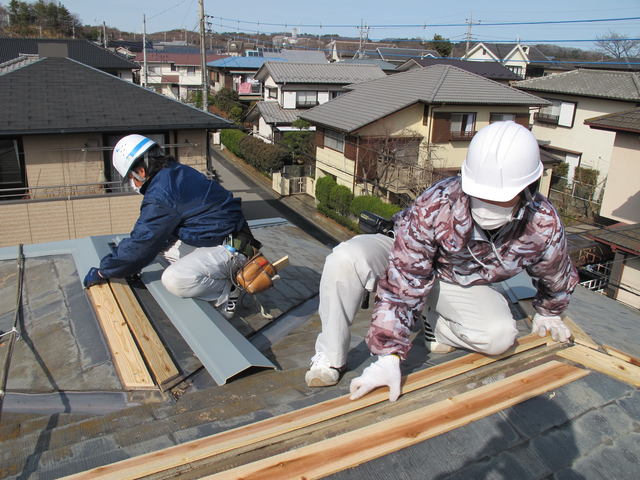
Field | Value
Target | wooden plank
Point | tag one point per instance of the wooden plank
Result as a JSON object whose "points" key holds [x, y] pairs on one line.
{"points": [[199, 449], [153, 350], [579, 335], [126, 357], [382, 438], [622, 355], [603, 363], [280, 264]]}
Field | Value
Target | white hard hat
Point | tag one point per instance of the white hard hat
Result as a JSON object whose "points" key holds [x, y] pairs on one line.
{"points": [[127, 150], [503, 158]]}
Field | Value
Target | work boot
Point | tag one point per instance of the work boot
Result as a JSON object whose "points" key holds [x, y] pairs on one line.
{"points": [[228, 310], [430, 342], [321, 373]]}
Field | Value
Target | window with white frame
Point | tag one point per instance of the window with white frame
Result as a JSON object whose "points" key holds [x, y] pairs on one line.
{"points": [[272, 92], [334, 140], [463, 125], [306, 99], [502, 117], [558, 113]]}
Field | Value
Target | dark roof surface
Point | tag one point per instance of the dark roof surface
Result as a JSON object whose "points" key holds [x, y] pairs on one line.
{"points": [[59, 95], [491, 70], [622, 237], [441, 84], [81, 50], [338, 73], [628, 121]]}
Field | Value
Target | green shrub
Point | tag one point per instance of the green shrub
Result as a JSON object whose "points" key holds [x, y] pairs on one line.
{"points": [[341, 219], [340, 198], [263, 156], [323, 189], [373, 204], [230, 138]]}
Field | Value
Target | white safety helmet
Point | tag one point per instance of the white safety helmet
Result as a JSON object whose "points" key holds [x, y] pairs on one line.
{"points": [[502, 160], [128, 150]]}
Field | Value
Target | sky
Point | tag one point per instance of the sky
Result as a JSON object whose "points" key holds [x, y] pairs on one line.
{"points": [[385, 18]]}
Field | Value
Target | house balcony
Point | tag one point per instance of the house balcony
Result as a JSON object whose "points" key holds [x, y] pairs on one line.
{"points": [[462, 136], [248, 88], [546, 118]]}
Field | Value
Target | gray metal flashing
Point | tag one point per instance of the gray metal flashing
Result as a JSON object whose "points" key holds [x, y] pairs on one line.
{"points": [[222, 350]]}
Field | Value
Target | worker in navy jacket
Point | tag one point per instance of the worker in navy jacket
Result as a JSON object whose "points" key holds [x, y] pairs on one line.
{"points": [[187, 217]]}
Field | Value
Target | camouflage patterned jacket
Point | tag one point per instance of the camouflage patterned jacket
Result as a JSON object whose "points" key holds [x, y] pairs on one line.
{"points": [[437, 238]]}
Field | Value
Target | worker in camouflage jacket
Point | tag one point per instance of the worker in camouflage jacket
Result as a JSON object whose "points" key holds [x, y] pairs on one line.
{"points": [[459, 238]]}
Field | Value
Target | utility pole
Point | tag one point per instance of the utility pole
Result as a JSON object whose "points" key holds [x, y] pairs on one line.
{"points": [[144, 51], [104, 34], [203, 53], [469, 25]]}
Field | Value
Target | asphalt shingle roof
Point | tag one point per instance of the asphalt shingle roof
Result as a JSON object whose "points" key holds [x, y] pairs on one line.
{"points": [[628, 121], [439, 84], [81, 50], [588, 83], [60, 95], [491, 70], [334, 73]]}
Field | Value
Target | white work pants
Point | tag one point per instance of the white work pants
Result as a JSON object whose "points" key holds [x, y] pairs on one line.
{"points": [[200, 272], [476, 318]]}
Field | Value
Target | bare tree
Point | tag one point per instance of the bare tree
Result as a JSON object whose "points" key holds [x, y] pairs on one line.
{"points": [[618, 45], [403, 164]]}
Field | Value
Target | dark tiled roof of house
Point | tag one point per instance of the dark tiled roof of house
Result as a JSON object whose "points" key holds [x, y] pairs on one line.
{"points": [[398, 55], [441, 84], [81, 50], [273, 113], [628, 121], [588, 83], [60, 95], [491, 70]]}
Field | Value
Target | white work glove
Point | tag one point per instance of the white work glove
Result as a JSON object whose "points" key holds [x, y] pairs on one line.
{"points": [[554, 324], [384, 371]]}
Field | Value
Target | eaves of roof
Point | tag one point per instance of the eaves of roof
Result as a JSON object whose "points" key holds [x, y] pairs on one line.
{"points": [[627, 121]]}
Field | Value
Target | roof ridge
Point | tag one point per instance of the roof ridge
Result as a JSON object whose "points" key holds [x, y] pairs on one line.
{"points": [[443, 75]]}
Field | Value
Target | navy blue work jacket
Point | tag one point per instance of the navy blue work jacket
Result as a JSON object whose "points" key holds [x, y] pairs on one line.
{"points": [[179, 203]]}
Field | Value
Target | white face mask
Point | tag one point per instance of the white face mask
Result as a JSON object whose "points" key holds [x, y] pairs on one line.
{"points": [[489, 216], [133, 186]]}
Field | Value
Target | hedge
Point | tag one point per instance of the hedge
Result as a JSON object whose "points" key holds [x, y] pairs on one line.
{"points": [[341, 219], [323, 189], [373, 204], [340, 198], [264, 156], [230, 138]]}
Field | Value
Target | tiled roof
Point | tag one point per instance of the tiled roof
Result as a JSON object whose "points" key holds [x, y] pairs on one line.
{"points": [[302, 56], [401, 54], [371, 61], [193, 59], [334, 73], [491, 70], [625, 237], [59, 95], [628, 121], [440, 84], [81, 50], [243, 62], [273, 113], [588, 83]]}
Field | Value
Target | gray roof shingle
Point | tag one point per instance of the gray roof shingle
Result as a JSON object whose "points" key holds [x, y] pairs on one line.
{"points": [[491, 70], [81, 50], [60, 95], [628, 121], [588, 83], [438, 84], [315, 73], [273, 113]]}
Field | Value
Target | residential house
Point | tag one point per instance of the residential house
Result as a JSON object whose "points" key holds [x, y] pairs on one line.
{"points": [[398, 56], [491, 70], [238, 73], [83, 51], [59, 122], [342, 49], [403, 131], [387, 67], [291, 88], [575, 97], [175, 75], [524, 60]]}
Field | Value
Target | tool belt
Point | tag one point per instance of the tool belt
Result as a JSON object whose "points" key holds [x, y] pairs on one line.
{"points": [[256, 275], [243, 242]]}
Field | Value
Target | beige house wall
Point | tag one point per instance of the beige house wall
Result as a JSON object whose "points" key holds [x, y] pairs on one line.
{"points": [[47, 221], [332, 162], [595, 145], [55, 160], [621, 200], [631, 280], [195, 153]]}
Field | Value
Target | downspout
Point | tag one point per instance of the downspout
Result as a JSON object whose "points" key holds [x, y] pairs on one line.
{"points": [[355, 167]]}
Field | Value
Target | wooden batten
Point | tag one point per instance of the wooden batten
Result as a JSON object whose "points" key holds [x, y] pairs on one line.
{"points": [[124, 351], [603, 363], [152, 348]]}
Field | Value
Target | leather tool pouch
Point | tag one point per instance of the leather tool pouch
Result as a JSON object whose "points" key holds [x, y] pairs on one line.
{"points": [[256, 274]]}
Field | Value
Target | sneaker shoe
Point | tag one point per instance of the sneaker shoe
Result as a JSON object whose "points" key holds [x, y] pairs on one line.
{"points": [[228, 310], [321, 373], [430, 342]]}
